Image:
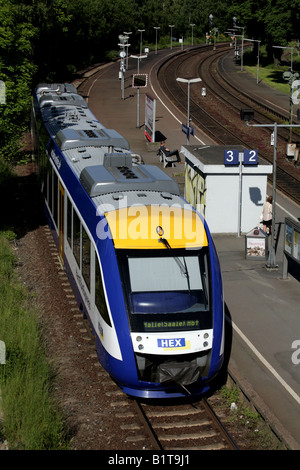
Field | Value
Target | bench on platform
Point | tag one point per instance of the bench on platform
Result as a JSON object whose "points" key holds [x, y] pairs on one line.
{"points": [[167, 160]]}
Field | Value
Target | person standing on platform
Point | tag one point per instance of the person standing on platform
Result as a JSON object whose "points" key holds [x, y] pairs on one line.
{"points": [[267, 215]]}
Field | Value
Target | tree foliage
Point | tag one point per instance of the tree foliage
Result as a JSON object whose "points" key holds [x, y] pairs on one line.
{"points": [[49, 40]]}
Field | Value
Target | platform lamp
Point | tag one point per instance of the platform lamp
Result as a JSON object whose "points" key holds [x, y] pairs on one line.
{"points": [[122, 54], [192, 25], [141, 39], [156, 29], [127, 33], [171, 26], [247, 115], [189, 81], [138, 57]]}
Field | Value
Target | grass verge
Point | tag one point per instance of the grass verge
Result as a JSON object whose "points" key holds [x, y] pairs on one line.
{"points": [[248, 422], [272, 77], [31, 419]]}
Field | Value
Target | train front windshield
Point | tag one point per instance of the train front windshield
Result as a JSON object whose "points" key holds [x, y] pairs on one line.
{"points": [[167, 290]]}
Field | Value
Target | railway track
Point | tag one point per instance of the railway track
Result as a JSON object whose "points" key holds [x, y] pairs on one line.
{"points": [[185, 427], [218, 114]]}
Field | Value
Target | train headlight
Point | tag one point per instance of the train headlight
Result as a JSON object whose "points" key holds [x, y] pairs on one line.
{"points": [[140, 346], [205, 344], [139, 338], [159, 231], [206, 335]]}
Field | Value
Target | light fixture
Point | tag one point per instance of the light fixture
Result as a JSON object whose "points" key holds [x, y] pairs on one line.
{"points": [[159, 231]]}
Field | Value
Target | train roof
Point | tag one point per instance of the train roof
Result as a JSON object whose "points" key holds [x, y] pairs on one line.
{"points": [[100, 157]]}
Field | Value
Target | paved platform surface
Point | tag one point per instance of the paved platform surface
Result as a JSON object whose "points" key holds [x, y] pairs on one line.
{"points": [[262, 308]]}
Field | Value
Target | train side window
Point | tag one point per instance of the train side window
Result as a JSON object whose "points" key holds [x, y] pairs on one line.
{"points": [[69, 221], [76, 237], [55, 199], [44, 168], [50, 187], [86, 258], [99, 294], [42, 135]]}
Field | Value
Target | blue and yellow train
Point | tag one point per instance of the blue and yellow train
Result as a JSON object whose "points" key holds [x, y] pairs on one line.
{"points": [[141, 260]]}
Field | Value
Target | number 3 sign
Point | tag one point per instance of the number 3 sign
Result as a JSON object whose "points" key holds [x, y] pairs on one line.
{"points": [[231, 157]]}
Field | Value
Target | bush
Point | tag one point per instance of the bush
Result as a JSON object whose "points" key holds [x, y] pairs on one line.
{"points": [[32, 420]]}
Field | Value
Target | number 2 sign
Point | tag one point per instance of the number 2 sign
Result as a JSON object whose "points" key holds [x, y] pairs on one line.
{"points": [[250, 157]]}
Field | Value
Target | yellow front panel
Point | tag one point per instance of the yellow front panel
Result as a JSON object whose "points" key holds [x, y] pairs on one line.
{"points": [[136, 227]]}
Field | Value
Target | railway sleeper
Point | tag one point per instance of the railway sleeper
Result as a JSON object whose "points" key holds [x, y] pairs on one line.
{"points": [[214, 446], [188, 436], [183, 424]]}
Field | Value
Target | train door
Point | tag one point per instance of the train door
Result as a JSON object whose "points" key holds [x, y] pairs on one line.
{"points": [[61, 222]]}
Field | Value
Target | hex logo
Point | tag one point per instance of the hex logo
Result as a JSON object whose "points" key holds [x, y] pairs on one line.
{"points": [[171, 343]]}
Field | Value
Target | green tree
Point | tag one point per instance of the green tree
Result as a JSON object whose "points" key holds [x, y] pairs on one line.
{"points": [[16, 71]]}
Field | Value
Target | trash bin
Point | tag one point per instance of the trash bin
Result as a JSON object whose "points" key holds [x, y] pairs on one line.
{"points": [[256, 244]]}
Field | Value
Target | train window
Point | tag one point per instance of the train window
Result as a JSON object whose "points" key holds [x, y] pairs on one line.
{"points": [[55, 199], [47, 169], [76, 237], [86, 258], [50, 187], [69, 221], [168, 292], [43, 135], [99, 295]]}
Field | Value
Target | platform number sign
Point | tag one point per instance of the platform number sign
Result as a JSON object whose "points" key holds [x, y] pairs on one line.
{"points": [[231, 157], [249, 157]]}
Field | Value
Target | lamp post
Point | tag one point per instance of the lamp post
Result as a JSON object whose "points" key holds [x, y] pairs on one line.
{"points": [[171, 26], [258, 47], [141, 40], [156, 29], [122, 54], [127, 45], [192, 25], [189, 81], [242, 53], [287, 47], [138, 57]]}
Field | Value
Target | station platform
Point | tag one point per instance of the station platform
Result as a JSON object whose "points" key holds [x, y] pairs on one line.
{"points": [[262, 308]]}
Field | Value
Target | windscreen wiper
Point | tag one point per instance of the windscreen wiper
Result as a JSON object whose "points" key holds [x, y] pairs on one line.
{"points": [[182, 265]]}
